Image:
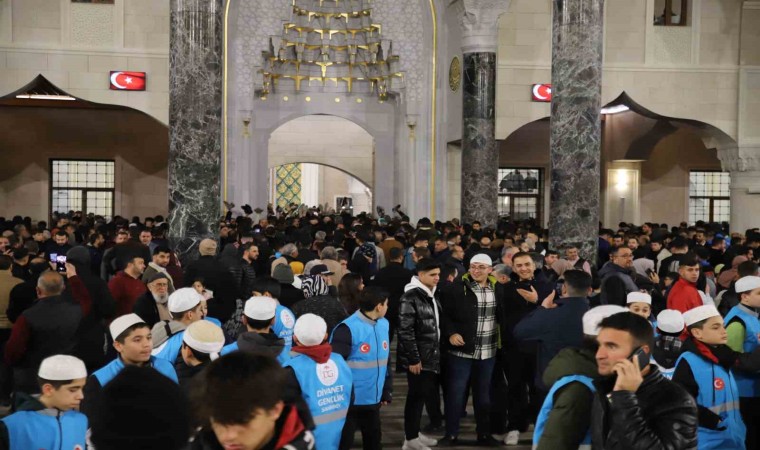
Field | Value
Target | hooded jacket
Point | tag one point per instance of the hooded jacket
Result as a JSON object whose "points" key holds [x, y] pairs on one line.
{"points": [[617, 283], [25, 403], [570, 417], [419, 333], [252, 342]]}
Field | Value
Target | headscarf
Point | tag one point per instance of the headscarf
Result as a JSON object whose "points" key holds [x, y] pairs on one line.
{"points": [[313, 286], [727, 276], [561, 266]]}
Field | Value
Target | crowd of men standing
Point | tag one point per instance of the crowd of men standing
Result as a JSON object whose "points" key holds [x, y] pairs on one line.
{"points": [[279, 334]]}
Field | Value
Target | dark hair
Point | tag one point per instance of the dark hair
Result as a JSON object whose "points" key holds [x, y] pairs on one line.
{"points": [[522, 255], [200, 356], [699, 325], [747, 268], [578, 282], [396, 253], [371, 297], [427, 264], [267, 284], [638, 327], [124, 334], [689, 259], [57, 384], [422, 252], [257, 324], [421, 236], [180, 315], [551, 252], [20, 253], [615, 250], [230, 391], [162, 249], [447, 270], [61, 233], [94, 237], [348, 291], [5, 262]]}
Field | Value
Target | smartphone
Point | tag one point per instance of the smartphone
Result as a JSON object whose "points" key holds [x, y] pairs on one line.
{"points": [[60, 263], [650, 272], [643, 358]]}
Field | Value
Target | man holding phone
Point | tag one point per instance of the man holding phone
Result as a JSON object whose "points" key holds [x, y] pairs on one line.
{"points": [[634, 402]]}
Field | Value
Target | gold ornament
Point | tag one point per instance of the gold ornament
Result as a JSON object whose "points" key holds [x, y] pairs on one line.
{"points": [[455, 74]]}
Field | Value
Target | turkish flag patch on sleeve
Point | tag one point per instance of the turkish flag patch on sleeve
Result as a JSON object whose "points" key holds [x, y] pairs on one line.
{"points": [[127, 81]]}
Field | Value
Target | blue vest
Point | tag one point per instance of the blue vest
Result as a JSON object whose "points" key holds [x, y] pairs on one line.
{"points": [[719, 393], [369, 357], [546, 409], [284, 321], [171, 348], [749, 385], [32, 430], [282, 358], [108, 372], [326, 388]]}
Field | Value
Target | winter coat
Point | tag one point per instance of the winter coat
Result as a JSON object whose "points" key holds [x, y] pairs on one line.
{"points": [[218, 279], [617, 283], [325, 306], [252, 342], [98, 307], [148, 309], [515, 307], [660, 415], [419, 328], [460, 311], [394, 279], [570, 417]]}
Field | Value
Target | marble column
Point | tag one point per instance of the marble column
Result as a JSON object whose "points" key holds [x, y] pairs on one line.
{"points": [[480, 154], [195, 125], [576, 124]]}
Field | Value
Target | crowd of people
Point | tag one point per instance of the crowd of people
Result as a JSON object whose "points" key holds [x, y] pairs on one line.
{"points": [[278, 334]]}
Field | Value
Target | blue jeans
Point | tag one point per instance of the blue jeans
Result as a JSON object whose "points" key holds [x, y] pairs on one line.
{"points": [[459, 372]]}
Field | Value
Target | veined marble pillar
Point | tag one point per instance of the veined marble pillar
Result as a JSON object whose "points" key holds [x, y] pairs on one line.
{"points": [[195, 129], [576, 125], [744, 165], [480, 155]]}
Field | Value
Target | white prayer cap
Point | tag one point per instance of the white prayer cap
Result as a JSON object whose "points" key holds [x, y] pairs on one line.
{"points": [[594, 316], [670, 321], [62, 368], [184, 299], [120, 324], [748, 283], [639, 297], [699, 314], [481, 258], [260, 308], [310, 330], [205, 337]]}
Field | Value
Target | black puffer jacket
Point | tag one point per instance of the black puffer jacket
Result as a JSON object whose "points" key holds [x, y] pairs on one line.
{"points": [[660, 415], [418, 331]]}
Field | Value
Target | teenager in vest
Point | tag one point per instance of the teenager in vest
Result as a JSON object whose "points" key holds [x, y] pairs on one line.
{"points": [[133, 343], [710, 381], [565, 417], [323, 379], [419, 348], [284, 319], [185, 307], [668, 345], [49, 420], [743, 328], [640, 303], [235, 412], [201, 343], [258, 318], [363, 341]]}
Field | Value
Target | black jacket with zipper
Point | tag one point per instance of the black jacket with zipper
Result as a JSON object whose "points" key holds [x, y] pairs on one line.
{"points": [[418, 331]]}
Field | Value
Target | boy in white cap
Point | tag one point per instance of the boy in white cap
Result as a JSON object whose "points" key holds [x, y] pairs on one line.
{"points": [[258, 318], [565, 417], [133, 342], [639, 303], [743, 328], [668, 345], [323, 378], [284, 319], [50, 420], [201, 343], [185, 308], [708, 378]]}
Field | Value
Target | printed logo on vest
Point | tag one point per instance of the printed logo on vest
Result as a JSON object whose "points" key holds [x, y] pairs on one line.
{"points": [[385, 345], [287, 318], [365, 348], [78, 447], [719, 384], [327, 372]]}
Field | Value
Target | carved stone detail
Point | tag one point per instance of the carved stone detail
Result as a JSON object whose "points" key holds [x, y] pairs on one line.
{"points": [[480, 24]]}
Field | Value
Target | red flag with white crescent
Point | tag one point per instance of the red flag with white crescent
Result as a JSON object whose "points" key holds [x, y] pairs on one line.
{"points": [[127, 81], [542, 93]]}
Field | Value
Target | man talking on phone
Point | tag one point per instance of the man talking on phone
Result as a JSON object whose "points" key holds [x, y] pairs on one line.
{"points": [[635, 406]]}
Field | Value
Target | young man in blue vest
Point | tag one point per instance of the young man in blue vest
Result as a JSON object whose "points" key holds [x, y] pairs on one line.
{"points": [[710, 381], [565, 417], [323, 379], [50, 420], [668, 345], [743, 328], [258, 318], [202, 342], [185, 307], [133, 342], [284, 319], [363, 341]]}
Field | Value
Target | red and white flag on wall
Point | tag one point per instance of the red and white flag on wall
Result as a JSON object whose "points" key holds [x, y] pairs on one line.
{"points": [[127, 81]]}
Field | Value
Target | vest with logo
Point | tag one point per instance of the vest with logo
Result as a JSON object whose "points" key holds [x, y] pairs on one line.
{"points": [[326, 388], [284, 321], [368, 360], [749, 385], [105, 374], [38, 430], [282, 358], [546, 408], [719, 393]]}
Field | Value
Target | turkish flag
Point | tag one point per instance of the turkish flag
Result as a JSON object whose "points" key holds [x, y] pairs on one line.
{"points": [[127, 81], [542, 93]]}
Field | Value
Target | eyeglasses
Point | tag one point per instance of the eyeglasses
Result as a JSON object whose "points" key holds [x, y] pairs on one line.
{"points": [[479, 268], [626, 255]]}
